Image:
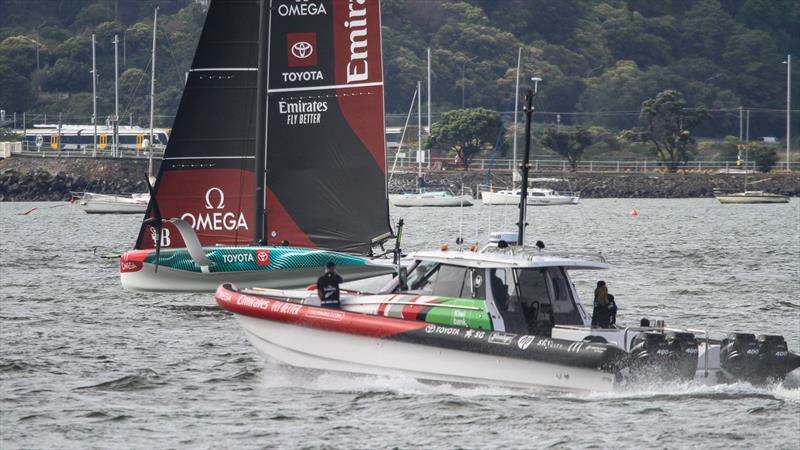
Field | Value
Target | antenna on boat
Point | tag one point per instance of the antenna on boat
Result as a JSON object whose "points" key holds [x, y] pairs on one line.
{"points": [[525, 166]]}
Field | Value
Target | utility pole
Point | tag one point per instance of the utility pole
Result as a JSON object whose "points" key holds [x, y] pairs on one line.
{"points": [[741, 123], [116, 94], [429, 90], [419, 137], [94, 99]]}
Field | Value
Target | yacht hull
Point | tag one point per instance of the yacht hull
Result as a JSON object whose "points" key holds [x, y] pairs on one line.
{"points": [[298, 268], [496, 198], [750, 199], [313, 337]]}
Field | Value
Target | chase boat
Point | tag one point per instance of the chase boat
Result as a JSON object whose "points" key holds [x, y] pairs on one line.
{"points": [[501, 316]]}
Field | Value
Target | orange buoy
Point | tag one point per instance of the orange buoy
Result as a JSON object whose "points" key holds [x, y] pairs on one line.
{"points": [[634, 212]]}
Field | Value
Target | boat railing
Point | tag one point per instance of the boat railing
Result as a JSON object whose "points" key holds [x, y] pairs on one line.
{"points": [[532, 252]]}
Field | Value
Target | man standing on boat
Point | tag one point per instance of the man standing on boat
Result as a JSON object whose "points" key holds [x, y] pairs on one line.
{"points": [[328, 286]]}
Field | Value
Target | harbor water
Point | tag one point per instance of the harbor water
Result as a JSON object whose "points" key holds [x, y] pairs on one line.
{"points": [[85, 364]]}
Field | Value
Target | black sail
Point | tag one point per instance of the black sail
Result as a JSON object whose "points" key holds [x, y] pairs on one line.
{"points": [[326, 163], [325, 147], [206, 177]]}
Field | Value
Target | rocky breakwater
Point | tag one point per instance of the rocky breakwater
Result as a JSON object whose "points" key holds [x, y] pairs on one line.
{"points": [[614, 185], [35, 178]]}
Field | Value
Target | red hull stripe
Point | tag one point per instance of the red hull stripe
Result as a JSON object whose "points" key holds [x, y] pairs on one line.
{"points": [[312, 316]]}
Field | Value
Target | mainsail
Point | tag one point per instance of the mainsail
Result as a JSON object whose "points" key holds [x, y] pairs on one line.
{"points": [[325, 150]]}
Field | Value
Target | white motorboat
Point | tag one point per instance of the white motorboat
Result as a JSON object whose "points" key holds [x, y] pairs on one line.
{"points": [[536, 197], [503, 316], [433, 198]]}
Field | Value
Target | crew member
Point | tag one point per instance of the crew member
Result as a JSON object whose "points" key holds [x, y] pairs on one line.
{"points": [[328, 286]]}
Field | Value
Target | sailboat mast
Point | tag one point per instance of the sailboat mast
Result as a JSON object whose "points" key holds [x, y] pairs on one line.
{"points": [[429, 90], [152, 94], [259, 219], [419, 137], [116, 95], [94, 100], [516, 107]]}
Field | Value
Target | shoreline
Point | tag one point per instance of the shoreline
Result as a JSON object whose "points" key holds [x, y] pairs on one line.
{"points": [[53, 178]]}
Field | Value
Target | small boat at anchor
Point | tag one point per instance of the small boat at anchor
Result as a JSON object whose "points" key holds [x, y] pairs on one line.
{"points": [[94, 203], [750, 197], [432, 198], [536, 196]]}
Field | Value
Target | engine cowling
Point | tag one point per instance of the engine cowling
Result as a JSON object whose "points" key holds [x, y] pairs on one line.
{"points": [[774, 358], [739, 356], [683, 351], [649, 354]]}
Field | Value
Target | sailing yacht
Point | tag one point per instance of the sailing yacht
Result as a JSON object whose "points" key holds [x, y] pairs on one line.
{"points": [[276, 163], [746, 197]]}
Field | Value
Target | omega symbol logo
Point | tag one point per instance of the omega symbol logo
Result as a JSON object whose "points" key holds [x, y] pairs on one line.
{"points": [[302, 49], [220, 204]]}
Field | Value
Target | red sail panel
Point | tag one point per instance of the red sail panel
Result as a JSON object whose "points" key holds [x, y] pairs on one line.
{"points": [[325, 153], [359, 62]]}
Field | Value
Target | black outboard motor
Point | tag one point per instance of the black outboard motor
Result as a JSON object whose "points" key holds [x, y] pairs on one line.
{"points": [[739, 356], [649, 354], [683, 352], [774, 358]]}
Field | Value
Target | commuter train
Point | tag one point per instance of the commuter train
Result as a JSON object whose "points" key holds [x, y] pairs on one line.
{"points": [[79, 137]]}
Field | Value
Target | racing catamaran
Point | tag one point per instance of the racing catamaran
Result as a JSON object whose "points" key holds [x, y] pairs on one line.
{"points": [[276, 162]]}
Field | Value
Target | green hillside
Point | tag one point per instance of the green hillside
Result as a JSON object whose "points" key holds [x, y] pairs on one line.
{"points": [[599, 58]]}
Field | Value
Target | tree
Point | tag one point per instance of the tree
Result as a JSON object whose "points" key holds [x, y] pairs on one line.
{"points": [[567, 143], [667, 125], [466, 133], [764, 157]]}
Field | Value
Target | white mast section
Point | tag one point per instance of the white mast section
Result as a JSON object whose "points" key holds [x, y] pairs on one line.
{"points": [[152, 94], [514, 173], [419, 137], [94, 99]]}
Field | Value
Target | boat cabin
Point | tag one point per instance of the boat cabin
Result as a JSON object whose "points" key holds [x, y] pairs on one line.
{"points": [[523, 293]]}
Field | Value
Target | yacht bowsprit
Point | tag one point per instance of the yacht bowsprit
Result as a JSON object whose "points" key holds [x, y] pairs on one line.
{"points": [[498, 317]]}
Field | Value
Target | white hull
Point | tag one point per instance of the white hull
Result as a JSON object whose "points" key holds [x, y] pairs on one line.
{"points": [[114, 204], [172, 280], [505, 198], [749, 198], [431, 201], [328, 350]]}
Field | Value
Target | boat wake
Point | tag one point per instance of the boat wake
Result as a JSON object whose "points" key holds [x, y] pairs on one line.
{"points": [[280, 376]]}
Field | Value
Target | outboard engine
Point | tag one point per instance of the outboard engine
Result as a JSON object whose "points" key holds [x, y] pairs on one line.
{"points": [[739, 356], [774, 358], [649, 354], [683, 352]]}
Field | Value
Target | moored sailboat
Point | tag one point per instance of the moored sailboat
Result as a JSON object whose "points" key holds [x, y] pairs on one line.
{"points": [[276, 161]]}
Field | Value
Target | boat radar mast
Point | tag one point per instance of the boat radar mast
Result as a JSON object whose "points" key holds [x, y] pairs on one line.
{"points": [[526, 166]]}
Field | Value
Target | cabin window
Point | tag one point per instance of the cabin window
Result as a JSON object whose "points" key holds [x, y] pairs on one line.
{"points": [[565, 311], [450, 282], [430, 278]]}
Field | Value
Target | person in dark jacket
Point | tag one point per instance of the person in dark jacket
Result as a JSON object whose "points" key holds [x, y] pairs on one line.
{"points": [[328, 286], [602, 312]]}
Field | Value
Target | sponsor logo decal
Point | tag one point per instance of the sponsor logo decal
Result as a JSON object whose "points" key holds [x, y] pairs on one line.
{"points": [[357, 66], [302, 112], [301, 8], [225, 296], [475, 334], [336, 316], [436, 329], [286, 308], [165, 239], [262, 257], [238, 258], [498, 337], [525, 341], [302, 49], [253, 302], [215, 218], [130, 266]]}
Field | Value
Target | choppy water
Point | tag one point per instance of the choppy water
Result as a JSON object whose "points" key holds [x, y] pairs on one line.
{"points": [[84, 364]]}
